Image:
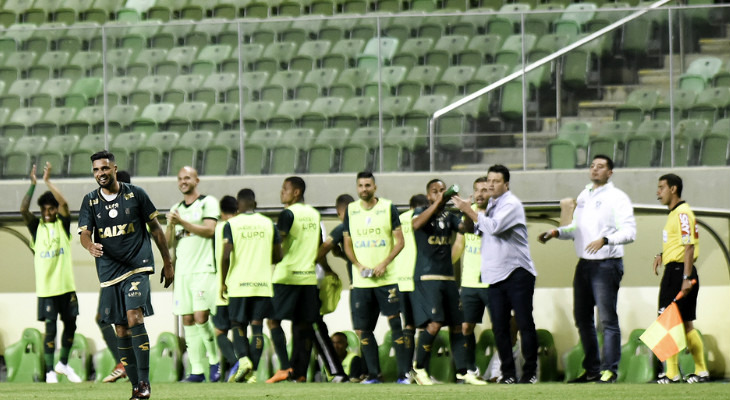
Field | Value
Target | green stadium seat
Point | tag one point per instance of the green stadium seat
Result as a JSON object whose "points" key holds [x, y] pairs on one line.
{"points": [[270, 31], [423, 110], [20, 32], [442, 364], [365, 28], [6, 145], [452, 132], [288, 115], [20, 121], [153, 117], [276, 56], [221, 157], [310, 55], [316, 83], [377, 52], [547, 356], [289, 155], [205, 33], [607, 14], [80, 65], [354, 113], [225, 11], [187, 150], [320, 113], [485, 75], [413, 52], [101, 11], [86, 118], [358, 154], [152, 158], [113, 33], [324, 152], [172, 35], [711, 105], [390, 5], [398, 145], [83, 92], [138, 36], [687, 136], [302, 30], [386, 358], [17, 65], [715, 147], [118, 90], [103, 360], [214, 53], [637, 105], [146, 62], [252, 82], [507, 19], [644, 148], [257, 9], [445, 50], [165, 359], [481, 49], [573, 360], [343, 54], [57, 152], [700, 73], [322, 7], [256, 114], [24, 359], [388, 78], [19, 92], [250, 52], [682, 100], [165, 10], [257, 149], [149, 90], [282, 86], [563, 152], [219, 117], [436, 26], [54, 122], [471, 23], [611, 140], [637, 361], [19, 160], [350, 82], [454, 81], [128, 15], [79, 158], [120, 118], [181, 89], [511, 52], [214, 87], [69, 12], [185, 115], [178, 61], [419, 81], [49, 65], [197, 10], [394, 109], [574, 19], [404, 25], [124, 147]]}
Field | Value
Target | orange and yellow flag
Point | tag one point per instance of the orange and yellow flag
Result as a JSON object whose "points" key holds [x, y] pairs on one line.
{"points": [[666, 337]]}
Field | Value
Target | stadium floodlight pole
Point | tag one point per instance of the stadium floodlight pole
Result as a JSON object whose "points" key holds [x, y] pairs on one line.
{"points": [[524, 70]]}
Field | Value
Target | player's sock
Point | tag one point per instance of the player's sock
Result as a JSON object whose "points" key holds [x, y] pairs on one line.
{"points": [[399, 344], [206, 333], [409, 334], [257, 338], [459, 350], [128, 359], [470, 346], [226, 348], [672, 369], [141, 349], [277, 336], [110, 338], [423, 352], [67, 339], [697, 348], [49, 344], [240, 341], [302, 334], [369, 348], [195, 349]]}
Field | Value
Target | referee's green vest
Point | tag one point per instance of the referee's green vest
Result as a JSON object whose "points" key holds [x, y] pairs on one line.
{"points": [[300, 248], [54, 273], [372, 240], [250, 273], [218, 240], [471, 260], [405, 261]]}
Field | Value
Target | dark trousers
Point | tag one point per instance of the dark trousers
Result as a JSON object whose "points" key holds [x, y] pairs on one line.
{"points": [[514, 293]]}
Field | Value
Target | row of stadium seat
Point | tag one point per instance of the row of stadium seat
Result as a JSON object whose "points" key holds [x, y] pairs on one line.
{"points": [[649, 144], [710, 104]]}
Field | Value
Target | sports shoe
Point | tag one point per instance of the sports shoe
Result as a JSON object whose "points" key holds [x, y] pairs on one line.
{"points": [[245, 368], [403, 381], [51, 377], [701, 378], [252, 379], [280, 375], [194, 378], [340, 379], [510, 380], [470, 378], [141, 391], [231, 376], [371, 381], [65, 369], [215, 372], [421, 376], [665, 380], [607, 377], [586, 378], [528, 379], [116, 374]]}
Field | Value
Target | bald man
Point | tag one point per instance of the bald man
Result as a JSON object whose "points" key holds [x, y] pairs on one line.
{"points": [[190, 230]]}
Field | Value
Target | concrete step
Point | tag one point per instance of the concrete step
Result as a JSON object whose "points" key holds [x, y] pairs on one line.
{"points": [[510, 157], [715, 46]]}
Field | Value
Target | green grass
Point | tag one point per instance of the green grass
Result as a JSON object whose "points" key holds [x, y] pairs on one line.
{"points": [[314, 391]]}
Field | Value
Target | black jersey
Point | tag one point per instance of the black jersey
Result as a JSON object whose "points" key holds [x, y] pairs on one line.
{"points": [[433, 243], [119, 225]]}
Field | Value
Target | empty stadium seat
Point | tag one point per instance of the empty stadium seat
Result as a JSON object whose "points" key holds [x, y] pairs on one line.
{"points": [[221, 156], [151, 159], [19, 160], [188, 150]]}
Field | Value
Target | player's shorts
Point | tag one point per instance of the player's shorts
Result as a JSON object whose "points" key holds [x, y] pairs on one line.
{"points": [[221, 320], [368, 303], [672, 284], [297, 303], [474, 301], [246, 309], [406, 308], [437, 301], [194, 292], [130, 294], [66, 305]]}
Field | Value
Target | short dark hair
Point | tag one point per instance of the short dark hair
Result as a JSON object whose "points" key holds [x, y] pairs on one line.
{"points": [[500, 169], [228, 204], [340, 334], [365, 175], [123, 176], [418, 200], [481, 179], [246, 195], [608, 159], [47, 199], [100, 155], [432, 181], [297, 182], [673, 180], [343, 200]]}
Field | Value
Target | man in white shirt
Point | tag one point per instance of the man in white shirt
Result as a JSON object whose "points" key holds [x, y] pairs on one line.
{"points": [[603, 221]]}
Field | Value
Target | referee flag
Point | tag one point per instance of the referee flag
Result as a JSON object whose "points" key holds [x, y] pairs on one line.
{"points": [[665, 337]]}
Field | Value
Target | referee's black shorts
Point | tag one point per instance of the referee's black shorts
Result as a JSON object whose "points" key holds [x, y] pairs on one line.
{"points": [[672, 284]]}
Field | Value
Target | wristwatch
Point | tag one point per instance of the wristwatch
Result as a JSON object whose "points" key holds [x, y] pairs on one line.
{"points": [[605, 241], [685, 277]]}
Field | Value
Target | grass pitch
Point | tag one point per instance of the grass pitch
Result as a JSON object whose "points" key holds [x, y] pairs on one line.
{"points": [[349, 391]]}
